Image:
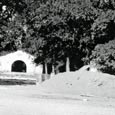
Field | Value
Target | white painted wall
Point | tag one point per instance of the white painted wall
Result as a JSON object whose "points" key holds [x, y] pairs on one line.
{"points": [[7, 61]]}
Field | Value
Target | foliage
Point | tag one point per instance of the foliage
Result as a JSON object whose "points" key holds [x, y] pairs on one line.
{"points": [[62, 27], [103, 27], [11, 30], [104, 57], [103, 4], [54, 30]]}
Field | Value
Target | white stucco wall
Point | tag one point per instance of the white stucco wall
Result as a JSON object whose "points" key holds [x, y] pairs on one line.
{"points": [[7, 61]]}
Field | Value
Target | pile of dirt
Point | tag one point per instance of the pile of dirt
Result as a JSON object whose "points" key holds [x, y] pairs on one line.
{"points": [[84, 83]]}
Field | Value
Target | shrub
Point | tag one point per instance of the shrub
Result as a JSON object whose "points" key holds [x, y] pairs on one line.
{"points": [[104, 57]]}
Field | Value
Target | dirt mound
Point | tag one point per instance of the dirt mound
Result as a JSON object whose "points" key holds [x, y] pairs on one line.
{"points": [[82, 83]]}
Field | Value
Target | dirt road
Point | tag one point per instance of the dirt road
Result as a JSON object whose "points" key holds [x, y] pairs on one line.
{"points": [[26, 100]]}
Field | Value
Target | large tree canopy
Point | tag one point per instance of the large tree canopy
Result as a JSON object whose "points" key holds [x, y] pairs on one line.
{"points": [[54, 30]]}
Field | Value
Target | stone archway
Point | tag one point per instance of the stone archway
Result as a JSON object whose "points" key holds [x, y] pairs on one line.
{"points": [[19, 66]]}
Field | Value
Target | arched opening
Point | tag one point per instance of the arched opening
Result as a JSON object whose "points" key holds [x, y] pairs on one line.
{"points": [[18, 66]]}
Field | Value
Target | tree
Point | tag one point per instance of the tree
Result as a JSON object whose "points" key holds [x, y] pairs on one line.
{"points": [[103, 4], [103, 27], [59, 29], [56, 31], [11, 30], [104, 57], [49, 27]]}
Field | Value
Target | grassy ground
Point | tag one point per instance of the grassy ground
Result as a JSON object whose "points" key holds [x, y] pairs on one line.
{"points": [[33, 100]]}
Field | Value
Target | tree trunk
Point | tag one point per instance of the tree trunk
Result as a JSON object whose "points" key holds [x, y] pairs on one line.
{"points": [[67, 64], [53, 70], [46, 70]]}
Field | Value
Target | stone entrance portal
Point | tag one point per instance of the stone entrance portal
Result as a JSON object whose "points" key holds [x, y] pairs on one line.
{"points": [[19, 61], [18, 66]]}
